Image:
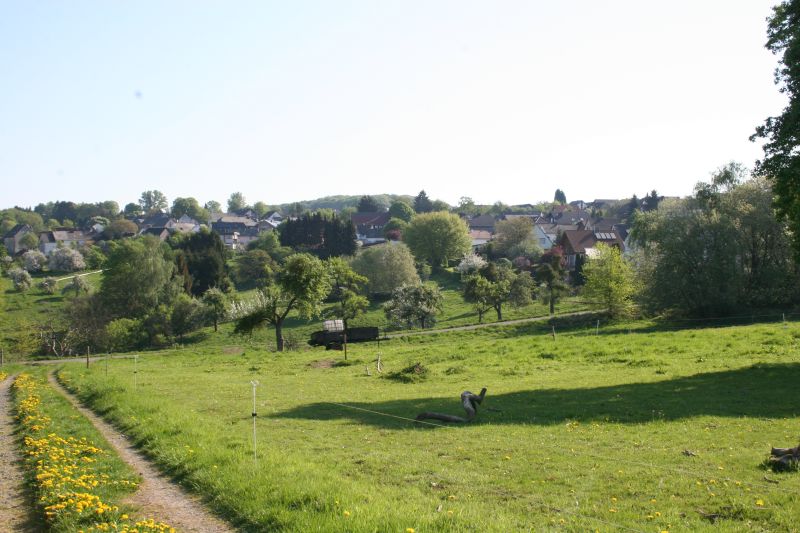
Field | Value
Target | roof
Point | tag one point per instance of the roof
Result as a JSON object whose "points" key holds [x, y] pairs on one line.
{"points": [[577, 241], [235, 219], [482, 221], [370, 218], [158, 232], [480, 234], [15, 230]]}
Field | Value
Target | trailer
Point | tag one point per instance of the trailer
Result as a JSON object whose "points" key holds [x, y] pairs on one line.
{"points": [[334, 340]]}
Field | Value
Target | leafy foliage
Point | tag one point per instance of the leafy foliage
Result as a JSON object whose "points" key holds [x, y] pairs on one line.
{"points": [[33, 260], [437, 237], [413, 305], [66, 260], [204, 255], [610, 281], [324, 236], [386, 267]]}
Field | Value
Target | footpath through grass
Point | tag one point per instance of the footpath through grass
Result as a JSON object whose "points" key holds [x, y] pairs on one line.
{"points": [[648, 430], [78, 480]]}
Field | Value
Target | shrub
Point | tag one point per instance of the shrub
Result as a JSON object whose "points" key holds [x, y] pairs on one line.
{"points": [[33, 260], [48, 285], [21, 279], [66, 260]]}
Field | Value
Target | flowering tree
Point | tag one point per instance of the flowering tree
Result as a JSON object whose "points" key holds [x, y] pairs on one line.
{"points": [[66, 260], [412, 304], [471, 263], [33, 260]]}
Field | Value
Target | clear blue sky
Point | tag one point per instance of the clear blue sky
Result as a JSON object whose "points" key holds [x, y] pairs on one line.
{"points": [[284, 101]]}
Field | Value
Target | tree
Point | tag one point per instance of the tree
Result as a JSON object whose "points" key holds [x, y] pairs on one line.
{"points": [[650, 201], [560, 197], [323, 234], [236, 202], [301, 286], [216, 304], [212, 206], [423, 204], [550, 277], [414, 304], [440, 205], [66, 260], [401, 210], [470, 264], [253, 268], [386, 267], [138, 278], [781, 162], [48, 285], [346, 285], [466, 206], [33, 260], [510, 234], [610, 281], [188, 206], [715, 253], [260, 209], [269, 242], [395, 228], [187, 315], [204, 255], [20, 278], [132, 210], [124, 334], [495, 285], [368, 204], [118, 229], [78, 284], [153, 201], [29, 241], [437, 237]]}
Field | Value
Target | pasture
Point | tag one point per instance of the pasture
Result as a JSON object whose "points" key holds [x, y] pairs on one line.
{"points": [[632, 427]]}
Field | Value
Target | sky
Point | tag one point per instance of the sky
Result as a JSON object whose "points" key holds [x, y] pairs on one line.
{"points": [[285, 101]]}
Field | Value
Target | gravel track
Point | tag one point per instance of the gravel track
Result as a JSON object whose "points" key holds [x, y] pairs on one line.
{"points": [[157, 496]]}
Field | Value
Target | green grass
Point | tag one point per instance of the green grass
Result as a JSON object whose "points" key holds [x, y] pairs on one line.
{"points": [[20, 313], [656, 429], [58, 418]]}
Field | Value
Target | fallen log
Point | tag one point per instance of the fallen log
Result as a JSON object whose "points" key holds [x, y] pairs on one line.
{"points": [[469, 402]]}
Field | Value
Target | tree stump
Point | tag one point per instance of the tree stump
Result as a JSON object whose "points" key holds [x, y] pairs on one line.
{"points": [[784, 458], [469, 402]]}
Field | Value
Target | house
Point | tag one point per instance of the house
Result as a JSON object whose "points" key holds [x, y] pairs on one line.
{"points": [[581, 242], [274, 217], [547, 233], [62, 237], [236, 231], [13, 238], [369, 226], [482, 223], [185, 224], [161, 233], [479, 237], [156, 220]]}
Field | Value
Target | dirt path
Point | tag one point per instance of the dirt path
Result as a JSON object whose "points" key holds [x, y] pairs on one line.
{"points": [[490, 324], [15, 507], [157, 496]]}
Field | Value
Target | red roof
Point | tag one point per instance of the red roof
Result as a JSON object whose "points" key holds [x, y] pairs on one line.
{"points": [[372, 219]]}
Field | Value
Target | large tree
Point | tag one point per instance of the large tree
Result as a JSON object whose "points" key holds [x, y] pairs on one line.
{"points": [[300, 286], [236, 202], [400, 209], [437, 238], [346, 285], [781, 162], [189, 206], [423, 204], [386, 267], [368, 204], [413, 305], [560, 197], [152, 201], [496, 285], [138, 278], [514, 237], [204, 255], [550, 277]]}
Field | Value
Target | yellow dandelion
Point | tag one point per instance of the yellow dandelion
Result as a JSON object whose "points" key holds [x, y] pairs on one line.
{"points": [[409, 530], [760, 503], [346, 514]]}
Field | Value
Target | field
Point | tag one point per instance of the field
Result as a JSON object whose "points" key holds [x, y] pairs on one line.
{"points": [[638, 427]]}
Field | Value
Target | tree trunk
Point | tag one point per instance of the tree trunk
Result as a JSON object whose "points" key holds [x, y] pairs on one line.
{"points": [[552, 303], [215, 324], [480, 316], [469, 402], [279, 335], [499, 309]]}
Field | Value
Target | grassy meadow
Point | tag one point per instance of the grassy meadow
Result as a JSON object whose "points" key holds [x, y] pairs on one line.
{"points": [[640, 427]]}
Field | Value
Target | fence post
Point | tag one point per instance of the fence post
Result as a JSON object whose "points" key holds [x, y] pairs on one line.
{"points": [[597, 328]]}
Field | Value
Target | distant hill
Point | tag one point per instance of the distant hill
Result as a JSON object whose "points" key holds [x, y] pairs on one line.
{"points": [[342, 201]]}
